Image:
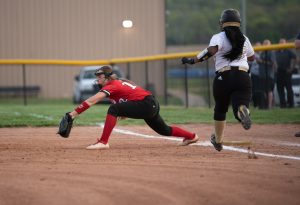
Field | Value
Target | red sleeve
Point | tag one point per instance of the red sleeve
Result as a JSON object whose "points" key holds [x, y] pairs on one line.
{"points": [[109, 89]]}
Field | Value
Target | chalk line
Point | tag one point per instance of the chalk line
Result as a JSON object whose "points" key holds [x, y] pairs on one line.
{"points": [[201, 143]]}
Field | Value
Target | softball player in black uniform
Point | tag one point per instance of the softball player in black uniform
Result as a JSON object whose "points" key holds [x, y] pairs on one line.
{"points": [[232, 82]]}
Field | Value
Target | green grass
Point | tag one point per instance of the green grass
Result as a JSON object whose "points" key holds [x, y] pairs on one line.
{"points": [[49, 114]]}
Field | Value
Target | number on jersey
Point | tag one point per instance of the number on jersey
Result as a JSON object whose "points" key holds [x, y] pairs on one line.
{"points": [[128, 84]]}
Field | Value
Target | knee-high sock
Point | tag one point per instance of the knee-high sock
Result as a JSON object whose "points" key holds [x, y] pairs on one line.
{"points": [[110, 123], [219, 130], [178, 132]]}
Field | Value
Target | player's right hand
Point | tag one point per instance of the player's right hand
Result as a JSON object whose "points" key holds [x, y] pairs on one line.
{"points": [[185, 60]]}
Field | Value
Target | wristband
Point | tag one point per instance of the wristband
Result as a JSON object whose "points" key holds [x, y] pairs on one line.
{"points": [[204, 55], [82, 107]]}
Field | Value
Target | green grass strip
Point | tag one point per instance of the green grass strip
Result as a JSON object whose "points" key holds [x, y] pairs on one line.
{"points": [[40, 115]]}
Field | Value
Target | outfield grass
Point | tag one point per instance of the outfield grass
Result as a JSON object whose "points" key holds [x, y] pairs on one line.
{"points": [[49, 114]]}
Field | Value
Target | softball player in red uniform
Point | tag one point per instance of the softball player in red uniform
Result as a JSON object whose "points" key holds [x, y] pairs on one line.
{"points": [[131, 101], [232, 82]]}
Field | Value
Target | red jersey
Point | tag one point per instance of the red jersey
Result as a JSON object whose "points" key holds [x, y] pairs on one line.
{"points": [[120, 91]]}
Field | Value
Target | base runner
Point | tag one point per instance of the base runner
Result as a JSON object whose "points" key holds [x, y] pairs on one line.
{"points": [[232, 83]]}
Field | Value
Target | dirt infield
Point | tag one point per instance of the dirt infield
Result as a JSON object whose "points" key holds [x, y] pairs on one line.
{"points": [[38, 167]]}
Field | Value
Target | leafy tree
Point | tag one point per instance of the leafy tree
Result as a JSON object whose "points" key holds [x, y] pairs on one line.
{"points": [[195, 21]]}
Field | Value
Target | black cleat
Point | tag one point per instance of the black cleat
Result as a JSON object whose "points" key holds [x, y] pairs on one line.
{"points": [[218, 146], [243, 114]]}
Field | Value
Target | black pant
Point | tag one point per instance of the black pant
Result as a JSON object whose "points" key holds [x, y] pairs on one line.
{"points": [[284, 80], [233, 85], [147, 109]]}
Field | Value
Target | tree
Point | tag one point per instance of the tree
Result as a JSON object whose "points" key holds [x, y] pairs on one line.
{"points": [[195, 21]]}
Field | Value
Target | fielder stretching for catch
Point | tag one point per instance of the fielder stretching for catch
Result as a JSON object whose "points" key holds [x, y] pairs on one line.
{"points": [[129, 100], [232, 82]]}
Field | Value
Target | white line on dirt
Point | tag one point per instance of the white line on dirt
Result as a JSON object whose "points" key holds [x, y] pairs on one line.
{"points": [[203, 143], [289, 144]]}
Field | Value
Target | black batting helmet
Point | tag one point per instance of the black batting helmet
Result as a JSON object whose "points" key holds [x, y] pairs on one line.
{"points": [[230, 17], [106, 70]]}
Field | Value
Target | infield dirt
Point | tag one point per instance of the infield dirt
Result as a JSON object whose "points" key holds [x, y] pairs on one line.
{"points": [[38, 167]]}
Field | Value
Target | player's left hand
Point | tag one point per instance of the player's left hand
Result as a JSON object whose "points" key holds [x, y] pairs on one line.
{"points": [[65, 125]]}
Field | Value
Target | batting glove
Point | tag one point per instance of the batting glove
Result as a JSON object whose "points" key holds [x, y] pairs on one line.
{"points": [[185, 60]]}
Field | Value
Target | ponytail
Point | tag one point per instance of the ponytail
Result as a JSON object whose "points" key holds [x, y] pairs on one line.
{"points": [[237, 40]]}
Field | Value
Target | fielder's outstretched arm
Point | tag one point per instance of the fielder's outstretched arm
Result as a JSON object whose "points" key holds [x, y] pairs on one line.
{"points": [[88, 103]]}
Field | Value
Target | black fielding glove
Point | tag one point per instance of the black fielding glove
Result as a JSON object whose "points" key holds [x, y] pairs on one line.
{"points": [[186, 60], [65, 126]]}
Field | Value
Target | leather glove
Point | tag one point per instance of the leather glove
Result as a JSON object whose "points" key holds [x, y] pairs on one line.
{"points": [[65, 126]]}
